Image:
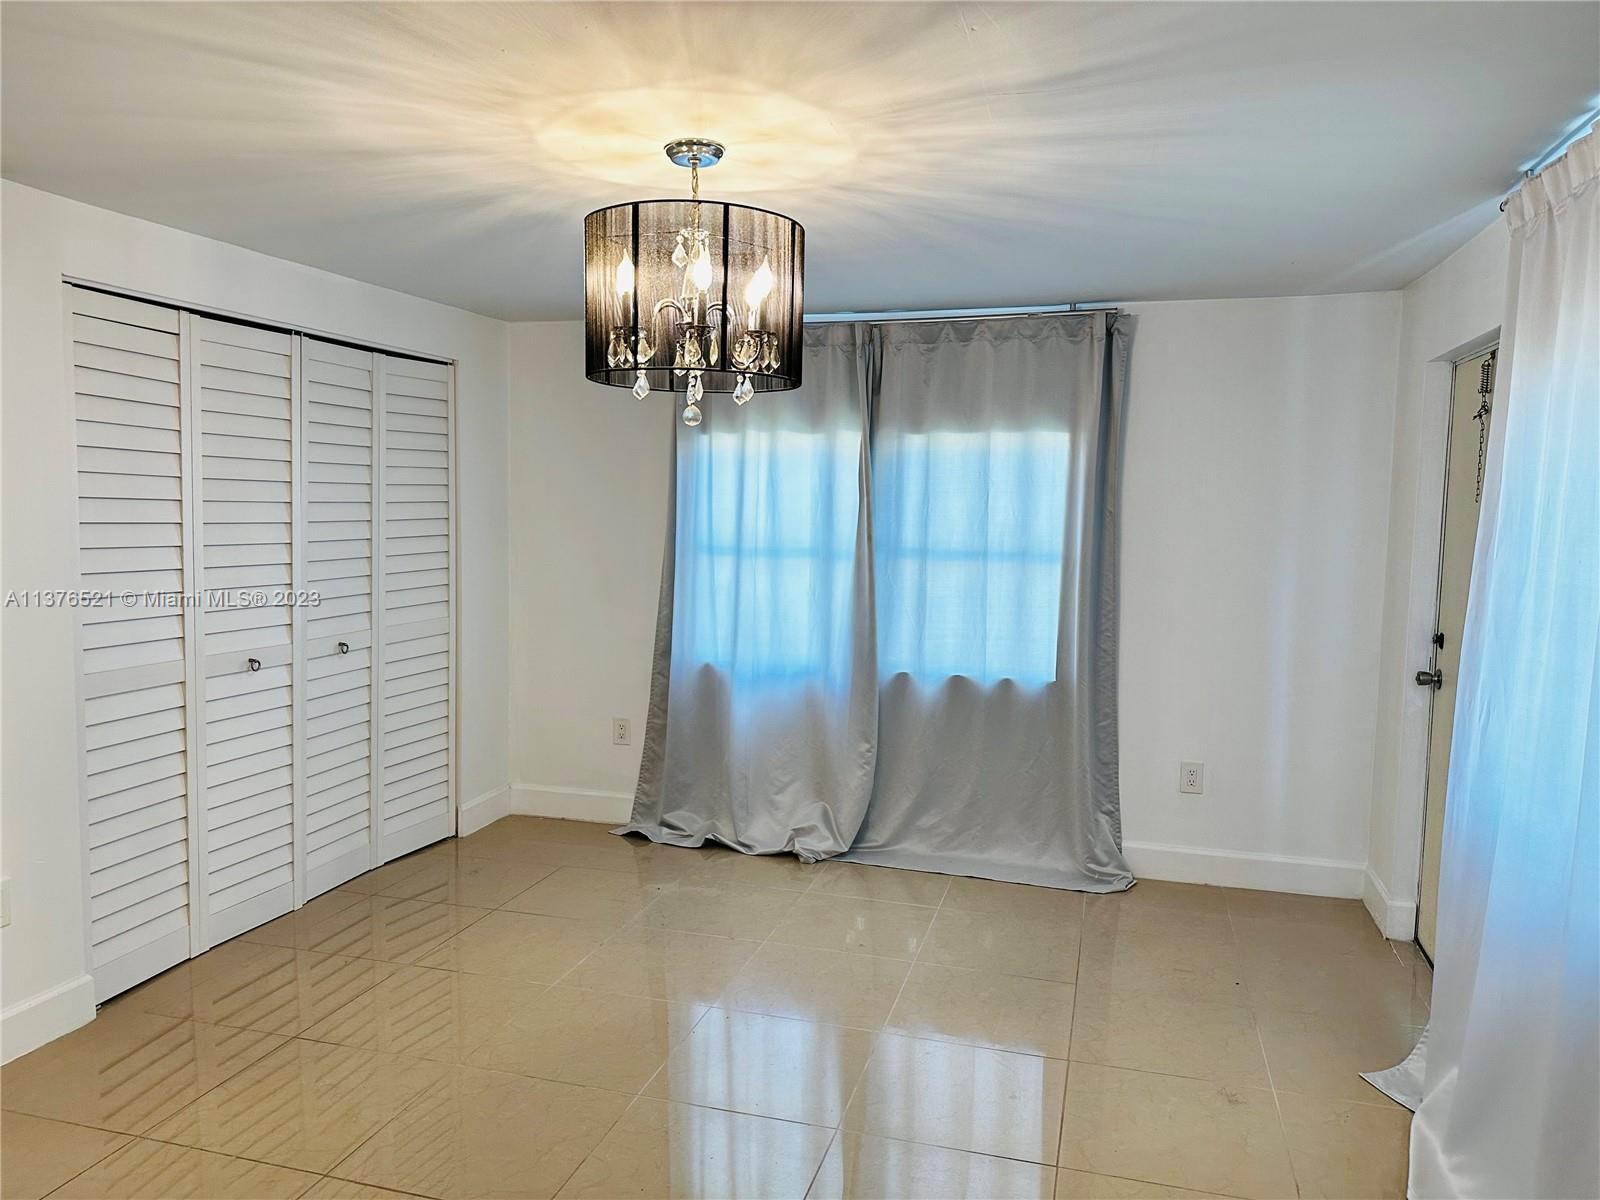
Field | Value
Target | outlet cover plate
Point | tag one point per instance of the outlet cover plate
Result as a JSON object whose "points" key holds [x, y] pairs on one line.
{"points": [[621, 731], [1192, 778]]}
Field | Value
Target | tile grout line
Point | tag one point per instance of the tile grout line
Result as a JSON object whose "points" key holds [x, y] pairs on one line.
{"points": [[834, 1135], [132, 1137], [1066, 1080], [879, 1033], [761, 945], [329, 1175], [1261, 1042]]}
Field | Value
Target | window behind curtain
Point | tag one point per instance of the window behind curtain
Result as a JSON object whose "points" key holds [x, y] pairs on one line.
{"points": [[967, 528], [968, 549], [770, 522]]}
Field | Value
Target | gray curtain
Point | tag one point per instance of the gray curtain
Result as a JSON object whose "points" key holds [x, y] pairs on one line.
{"points": [[921, 673], [996, 449], [761, 731]]}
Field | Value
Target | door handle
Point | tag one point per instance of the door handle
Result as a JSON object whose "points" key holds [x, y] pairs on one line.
{"points": [[1433, 679], [253, 663]]}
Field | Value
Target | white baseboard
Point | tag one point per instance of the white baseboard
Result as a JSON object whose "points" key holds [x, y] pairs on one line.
{"points": [[31, 1023], [1397, 918], [570, 804], [1181, 864], [1245, 869], [483, 810]]}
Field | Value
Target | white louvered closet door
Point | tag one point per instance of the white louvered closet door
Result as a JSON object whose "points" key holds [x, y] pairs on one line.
{"points": [[245, 381], [131, 422], [416, 617], [337, 429]]}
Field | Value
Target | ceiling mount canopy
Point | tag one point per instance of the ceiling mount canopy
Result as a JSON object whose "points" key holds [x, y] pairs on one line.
{"points": [[693, 296]]}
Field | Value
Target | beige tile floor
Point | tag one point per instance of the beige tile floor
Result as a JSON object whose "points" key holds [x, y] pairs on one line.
{"points": [[543, 1009]]}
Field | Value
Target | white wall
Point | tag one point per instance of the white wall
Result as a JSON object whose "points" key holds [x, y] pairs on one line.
{"points": [[1256, 494], [1254, 508], [588, 498], [43, 983], [1456, 307]]}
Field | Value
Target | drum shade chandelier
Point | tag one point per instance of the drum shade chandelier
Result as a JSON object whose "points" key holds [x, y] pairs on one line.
{"points": [[693, 296]]}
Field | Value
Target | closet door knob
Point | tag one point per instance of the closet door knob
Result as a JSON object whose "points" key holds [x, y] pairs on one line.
{"points": [[253, 663], [344, 647]]}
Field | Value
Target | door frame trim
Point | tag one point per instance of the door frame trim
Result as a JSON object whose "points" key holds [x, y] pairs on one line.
{"points": [[1400, 900]]}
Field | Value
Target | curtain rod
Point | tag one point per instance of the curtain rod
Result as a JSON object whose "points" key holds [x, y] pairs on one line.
{"points": [[1559, 147], [910, 316]]}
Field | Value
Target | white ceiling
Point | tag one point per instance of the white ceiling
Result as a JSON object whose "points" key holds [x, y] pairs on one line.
{"points": [[940, 155]]}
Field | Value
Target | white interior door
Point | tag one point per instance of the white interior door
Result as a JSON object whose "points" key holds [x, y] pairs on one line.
{"points": [[1463, 490], [416, 621], [244, 393], [126, 366], [337, 388]]}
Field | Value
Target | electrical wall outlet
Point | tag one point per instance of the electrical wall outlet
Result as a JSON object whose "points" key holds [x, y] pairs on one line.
{"points": [[621, 731], [5, 902], [1192, 778]]}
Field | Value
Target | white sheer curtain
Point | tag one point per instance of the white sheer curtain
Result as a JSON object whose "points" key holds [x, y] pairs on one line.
{"points": [[1511, 1089]]}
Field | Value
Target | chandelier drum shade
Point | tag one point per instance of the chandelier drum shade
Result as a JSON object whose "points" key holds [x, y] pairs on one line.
{"points": [[693, 296]]}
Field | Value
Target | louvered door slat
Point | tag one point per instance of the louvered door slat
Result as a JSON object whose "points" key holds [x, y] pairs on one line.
{"points": [[127, 370], [337, 394], [416, 606], [245, 511]]}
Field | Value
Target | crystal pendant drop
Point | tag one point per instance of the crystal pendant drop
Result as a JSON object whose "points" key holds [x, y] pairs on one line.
{"points": [[692, 415], [641, 386], [680, 257], [696, 388], [743, 390], [745, 350]]}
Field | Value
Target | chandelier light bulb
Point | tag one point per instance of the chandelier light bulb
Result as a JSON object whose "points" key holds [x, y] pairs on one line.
{"points": [[757, 290], [625, 277], [700, 271]]}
